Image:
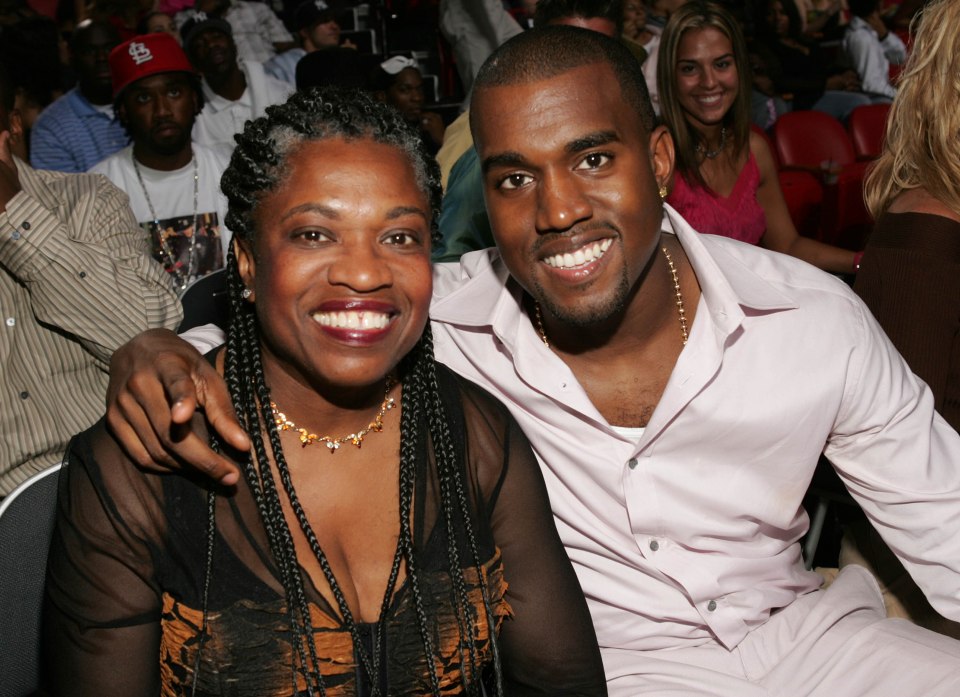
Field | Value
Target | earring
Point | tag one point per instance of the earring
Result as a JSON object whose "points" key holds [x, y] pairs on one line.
{"points": [[663, 192], [246, 293]]}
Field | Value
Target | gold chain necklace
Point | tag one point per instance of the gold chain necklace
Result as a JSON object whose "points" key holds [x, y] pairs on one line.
{"points": [[681, 310], [333, 444]]}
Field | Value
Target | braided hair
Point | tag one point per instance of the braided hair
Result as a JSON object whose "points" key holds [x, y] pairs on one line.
{"points": [[257, 168]]}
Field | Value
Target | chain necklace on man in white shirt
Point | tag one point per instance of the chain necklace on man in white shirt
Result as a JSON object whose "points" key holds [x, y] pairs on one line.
{"points": [[182, 277]]}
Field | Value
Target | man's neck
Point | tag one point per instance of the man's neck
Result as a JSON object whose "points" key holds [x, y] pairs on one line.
{"points": [[230, 85], [647, 310], [96, 97], [160, 161], [624, 366]]}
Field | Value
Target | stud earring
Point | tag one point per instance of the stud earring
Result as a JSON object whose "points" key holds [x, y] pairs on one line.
{"points": [[663, 192], [246, 293]]}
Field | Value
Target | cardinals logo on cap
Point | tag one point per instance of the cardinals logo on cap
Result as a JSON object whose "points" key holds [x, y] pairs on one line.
{"points": [[139, 52]]}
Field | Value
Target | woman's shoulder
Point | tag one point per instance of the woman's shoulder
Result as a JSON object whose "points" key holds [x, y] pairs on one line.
{"points": [[479, 407], [920, 201], [99, 466]]}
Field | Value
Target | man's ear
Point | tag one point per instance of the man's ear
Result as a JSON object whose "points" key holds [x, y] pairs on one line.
{"points": [[15, 122], [662, 156], [246, 265], [121, 113]]}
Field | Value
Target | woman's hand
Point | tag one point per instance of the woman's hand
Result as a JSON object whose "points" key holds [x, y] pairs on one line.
{"points": [[157, 382]]}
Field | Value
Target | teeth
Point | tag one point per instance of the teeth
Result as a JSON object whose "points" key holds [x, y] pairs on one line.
{"points": [[352, 319], [580, 257]]}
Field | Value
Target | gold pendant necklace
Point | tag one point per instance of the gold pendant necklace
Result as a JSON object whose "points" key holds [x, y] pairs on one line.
{"points": [[681, 310], [333, 444]]}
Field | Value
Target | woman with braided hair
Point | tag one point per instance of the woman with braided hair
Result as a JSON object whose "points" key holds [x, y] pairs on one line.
{"points": [[413, 555]]}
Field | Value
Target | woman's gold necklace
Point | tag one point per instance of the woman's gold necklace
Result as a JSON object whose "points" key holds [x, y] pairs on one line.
{"points": [[333, 444], [681, 310]]}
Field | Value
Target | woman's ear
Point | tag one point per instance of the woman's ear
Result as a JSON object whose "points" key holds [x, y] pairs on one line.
{"points": [[247, 266]]}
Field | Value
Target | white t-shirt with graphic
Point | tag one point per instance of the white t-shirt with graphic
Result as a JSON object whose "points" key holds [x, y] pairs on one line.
{"points": [[171, 193]]}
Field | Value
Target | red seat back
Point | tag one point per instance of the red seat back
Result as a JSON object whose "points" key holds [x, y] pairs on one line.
{"points": [[807, 138], [867, 125]]}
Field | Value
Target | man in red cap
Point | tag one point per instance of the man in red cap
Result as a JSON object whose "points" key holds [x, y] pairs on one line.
{"points": [[173, 183]]}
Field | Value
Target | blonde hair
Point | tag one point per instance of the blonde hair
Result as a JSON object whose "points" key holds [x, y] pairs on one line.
{"points": [[922, 145]]}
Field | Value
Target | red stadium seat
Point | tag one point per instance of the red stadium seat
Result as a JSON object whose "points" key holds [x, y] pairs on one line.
{"points": [[867, 125], [814, 142], [802, 191]]}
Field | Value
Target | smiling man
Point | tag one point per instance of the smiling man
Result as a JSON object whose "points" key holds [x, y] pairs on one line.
{"points": [[173, 183], [677, 389]]}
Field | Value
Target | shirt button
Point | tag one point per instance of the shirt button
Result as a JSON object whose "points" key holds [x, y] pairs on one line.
{"points": [[654, 545], [11, 321], [83, 274], [25, 225], [632, 463], [15, 235], [24, 394], [712, 605]]}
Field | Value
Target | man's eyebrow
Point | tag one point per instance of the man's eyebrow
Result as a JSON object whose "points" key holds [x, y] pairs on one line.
{"points": [[515, 159], [591, 140], [503, 159]]}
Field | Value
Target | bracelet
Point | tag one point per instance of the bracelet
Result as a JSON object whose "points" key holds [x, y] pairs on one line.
{"points": [[856, 261]]}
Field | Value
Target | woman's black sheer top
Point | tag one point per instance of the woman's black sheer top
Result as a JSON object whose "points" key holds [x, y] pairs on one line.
{"points": [[127, 568]]}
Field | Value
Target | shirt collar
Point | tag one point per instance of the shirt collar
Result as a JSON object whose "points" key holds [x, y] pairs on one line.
{"points": [[33, 183], [486, 296], [83, 106]]}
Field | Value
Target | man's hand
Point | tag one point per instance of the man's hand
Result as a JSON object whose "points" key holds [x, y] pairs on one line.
{"points": [[9, 179], [157, 382]]}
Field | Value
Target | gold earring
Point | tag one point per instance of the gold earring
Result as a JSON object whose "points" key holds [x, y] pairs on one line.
{"points": [[663, 192]]}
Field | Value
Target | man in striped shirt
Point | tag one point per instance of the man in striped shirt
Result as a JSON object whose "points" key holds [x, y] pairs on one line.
{"points": [[78, 130], [76, 282]]}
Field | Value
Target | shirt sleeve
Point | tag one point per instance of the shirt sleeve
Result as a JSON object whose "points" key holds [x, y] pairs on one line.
{"points": [[102, 609], [548, 646], [205, 338], [87, 265], [899, 459], [894, 48], [867, 58]]}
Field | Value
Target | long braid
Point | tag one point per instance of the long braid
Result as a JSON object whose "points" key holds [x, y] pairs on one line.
{"points": [[257, 168], [409, 449], [207, 577], [241, 368], [284, 472], [456, 501]]}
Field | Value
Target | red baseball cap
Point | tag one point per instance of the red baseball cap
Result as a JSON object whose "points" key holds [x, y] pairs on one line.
{"points": [[143, 56]]}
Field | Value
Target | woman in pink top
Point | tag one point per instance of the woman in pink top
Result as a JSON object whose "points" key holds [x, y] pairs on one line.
{"points": [[726, 179]]}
